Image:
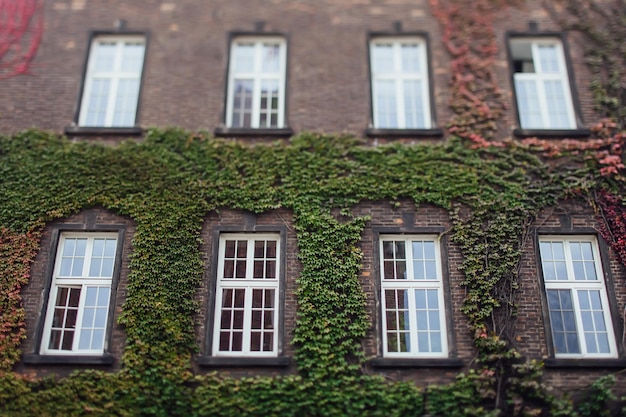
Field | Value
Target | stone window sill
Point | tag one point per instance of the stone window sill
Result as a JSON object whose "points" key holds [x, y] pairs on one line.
{"points": [[404, 133], [103, 131], [221, 361], [228, 132], [36, 359], [584, 363], [416, 363], [552, 133]]}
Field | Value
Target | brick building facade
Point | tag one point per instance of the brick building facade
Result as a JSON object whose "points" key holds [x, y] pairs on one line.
{"points": [[184, 78]]}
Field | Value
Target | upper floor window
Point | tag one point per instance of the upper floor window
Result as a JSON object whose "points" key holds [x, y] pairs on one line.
{"points": [[542, 89], [580, 320], [81, 292], [400, 86], [247, 294], [256, 83], [413, 322], [112, 81]]}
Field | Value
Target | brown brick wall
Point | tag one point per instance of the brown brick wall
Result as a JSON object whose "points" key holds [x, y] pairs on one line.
{"points": [[34, 293], [184, 80]]}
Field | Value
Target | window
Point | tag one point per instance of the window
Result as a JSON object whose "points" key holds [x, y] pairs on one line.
{"points": [[541, 84], [247, 290], [577, 301], [112, 81], [78, 306], [412, 297], [256, 83], [400, 86]]}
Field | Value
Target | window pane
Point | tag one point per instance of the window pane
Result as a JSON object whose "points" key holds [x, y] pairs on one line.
{"points": [[556, 104], [229, 249], [269, 299], [528, 105], [385, 104], [74, 297], [269, 102], [243, 60], [435, 342], [382, 57], [132, 57], [104, 56], [423, 344], [256, 319], [268, 342], [270, 269], [126, 103], [255, 341], [270, 58], [97, 341], [98, 102], [237, 342], [553, 261], [410, 58], [563, 321], [414, 114], [85, 339], [242, 103], [257, 298], [548, 61], [271, 248], [594, 326]]}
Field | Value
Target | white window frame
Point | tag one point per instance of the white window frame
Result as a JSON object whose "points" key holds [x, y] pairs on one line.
{"points": [[83, 282], [248, 284], [115, 76], [398, 77], [574, 286], [411, 285], [257, 76], [539, 78]]}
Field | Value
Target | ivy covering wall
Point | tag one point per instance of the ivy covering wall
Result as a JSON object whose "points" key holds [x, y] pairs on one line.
{"points": [[172, 179]]}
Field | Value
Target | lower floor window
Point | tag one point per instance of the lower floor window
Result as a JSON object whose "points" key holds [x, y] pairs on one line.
{"points": [[80, 293], [246, 298], [580, 320], [412, 297]]}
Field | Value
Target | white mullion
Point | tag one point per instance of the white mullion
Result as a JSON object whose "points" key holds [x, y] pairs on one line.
{"points": [[83, 293], [398, 81], [569, 264], [422, 78], [538, 79], [608, 323], [282, 83], [47, 331], [79, 317], [375, 77], [276, 312], [249, 260], [110, 110], [567, 91], [580, 331], [412, 321], [443, 328], [256, 85], [230, 99], [218, 318], [247, 320]]}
